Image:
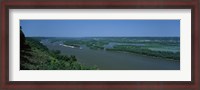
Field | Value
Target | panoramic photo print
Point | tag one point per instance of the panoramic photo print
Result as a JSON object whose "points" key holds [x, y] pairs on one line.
{"points": [[100, 44]]}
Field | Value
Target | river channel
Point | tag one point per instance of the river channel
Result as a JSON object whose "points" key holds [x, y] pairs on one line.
{"points": [[113, 60]]}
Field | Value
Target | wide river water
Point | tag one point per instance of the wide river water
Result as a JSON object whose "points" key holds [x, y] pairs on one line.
{"points": [[112, 60]]}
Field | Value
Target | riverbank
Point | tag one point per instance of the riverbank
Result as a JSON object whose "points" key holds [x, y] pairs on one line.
{"points": [[109, 60]]}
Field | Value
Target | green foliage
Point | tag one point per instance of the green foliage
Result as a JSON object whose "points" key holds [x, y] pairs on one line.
{"points": [[163, 47], [92, 44], [41, 58], [36, 44], [145, 51]]}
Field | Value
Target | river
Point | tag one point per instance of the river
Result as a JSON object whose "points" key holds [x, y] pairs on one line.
{"points": [[112, 60]]}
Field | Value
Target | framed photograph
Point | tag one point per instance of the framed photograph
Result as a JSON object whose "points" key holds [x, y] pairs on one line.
{"points": [[100, 45]]}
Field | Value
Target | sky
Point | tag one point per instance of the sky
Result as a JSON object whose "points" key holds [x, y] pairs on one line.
{"points": [[101, 28]]}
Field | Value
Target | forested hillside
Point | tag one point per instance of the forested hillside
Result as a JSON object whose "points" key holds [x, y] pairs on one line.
{"points": [[36, 56]]}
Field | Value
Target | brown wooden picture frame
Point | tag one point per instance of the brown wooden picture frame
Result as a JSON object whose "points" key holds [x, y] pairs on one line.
{"points": [[101, 4]]}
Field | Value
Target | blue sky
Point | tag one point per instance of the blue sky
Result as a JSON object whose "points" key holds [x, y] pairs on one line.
{"points": [[101, 28]]}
